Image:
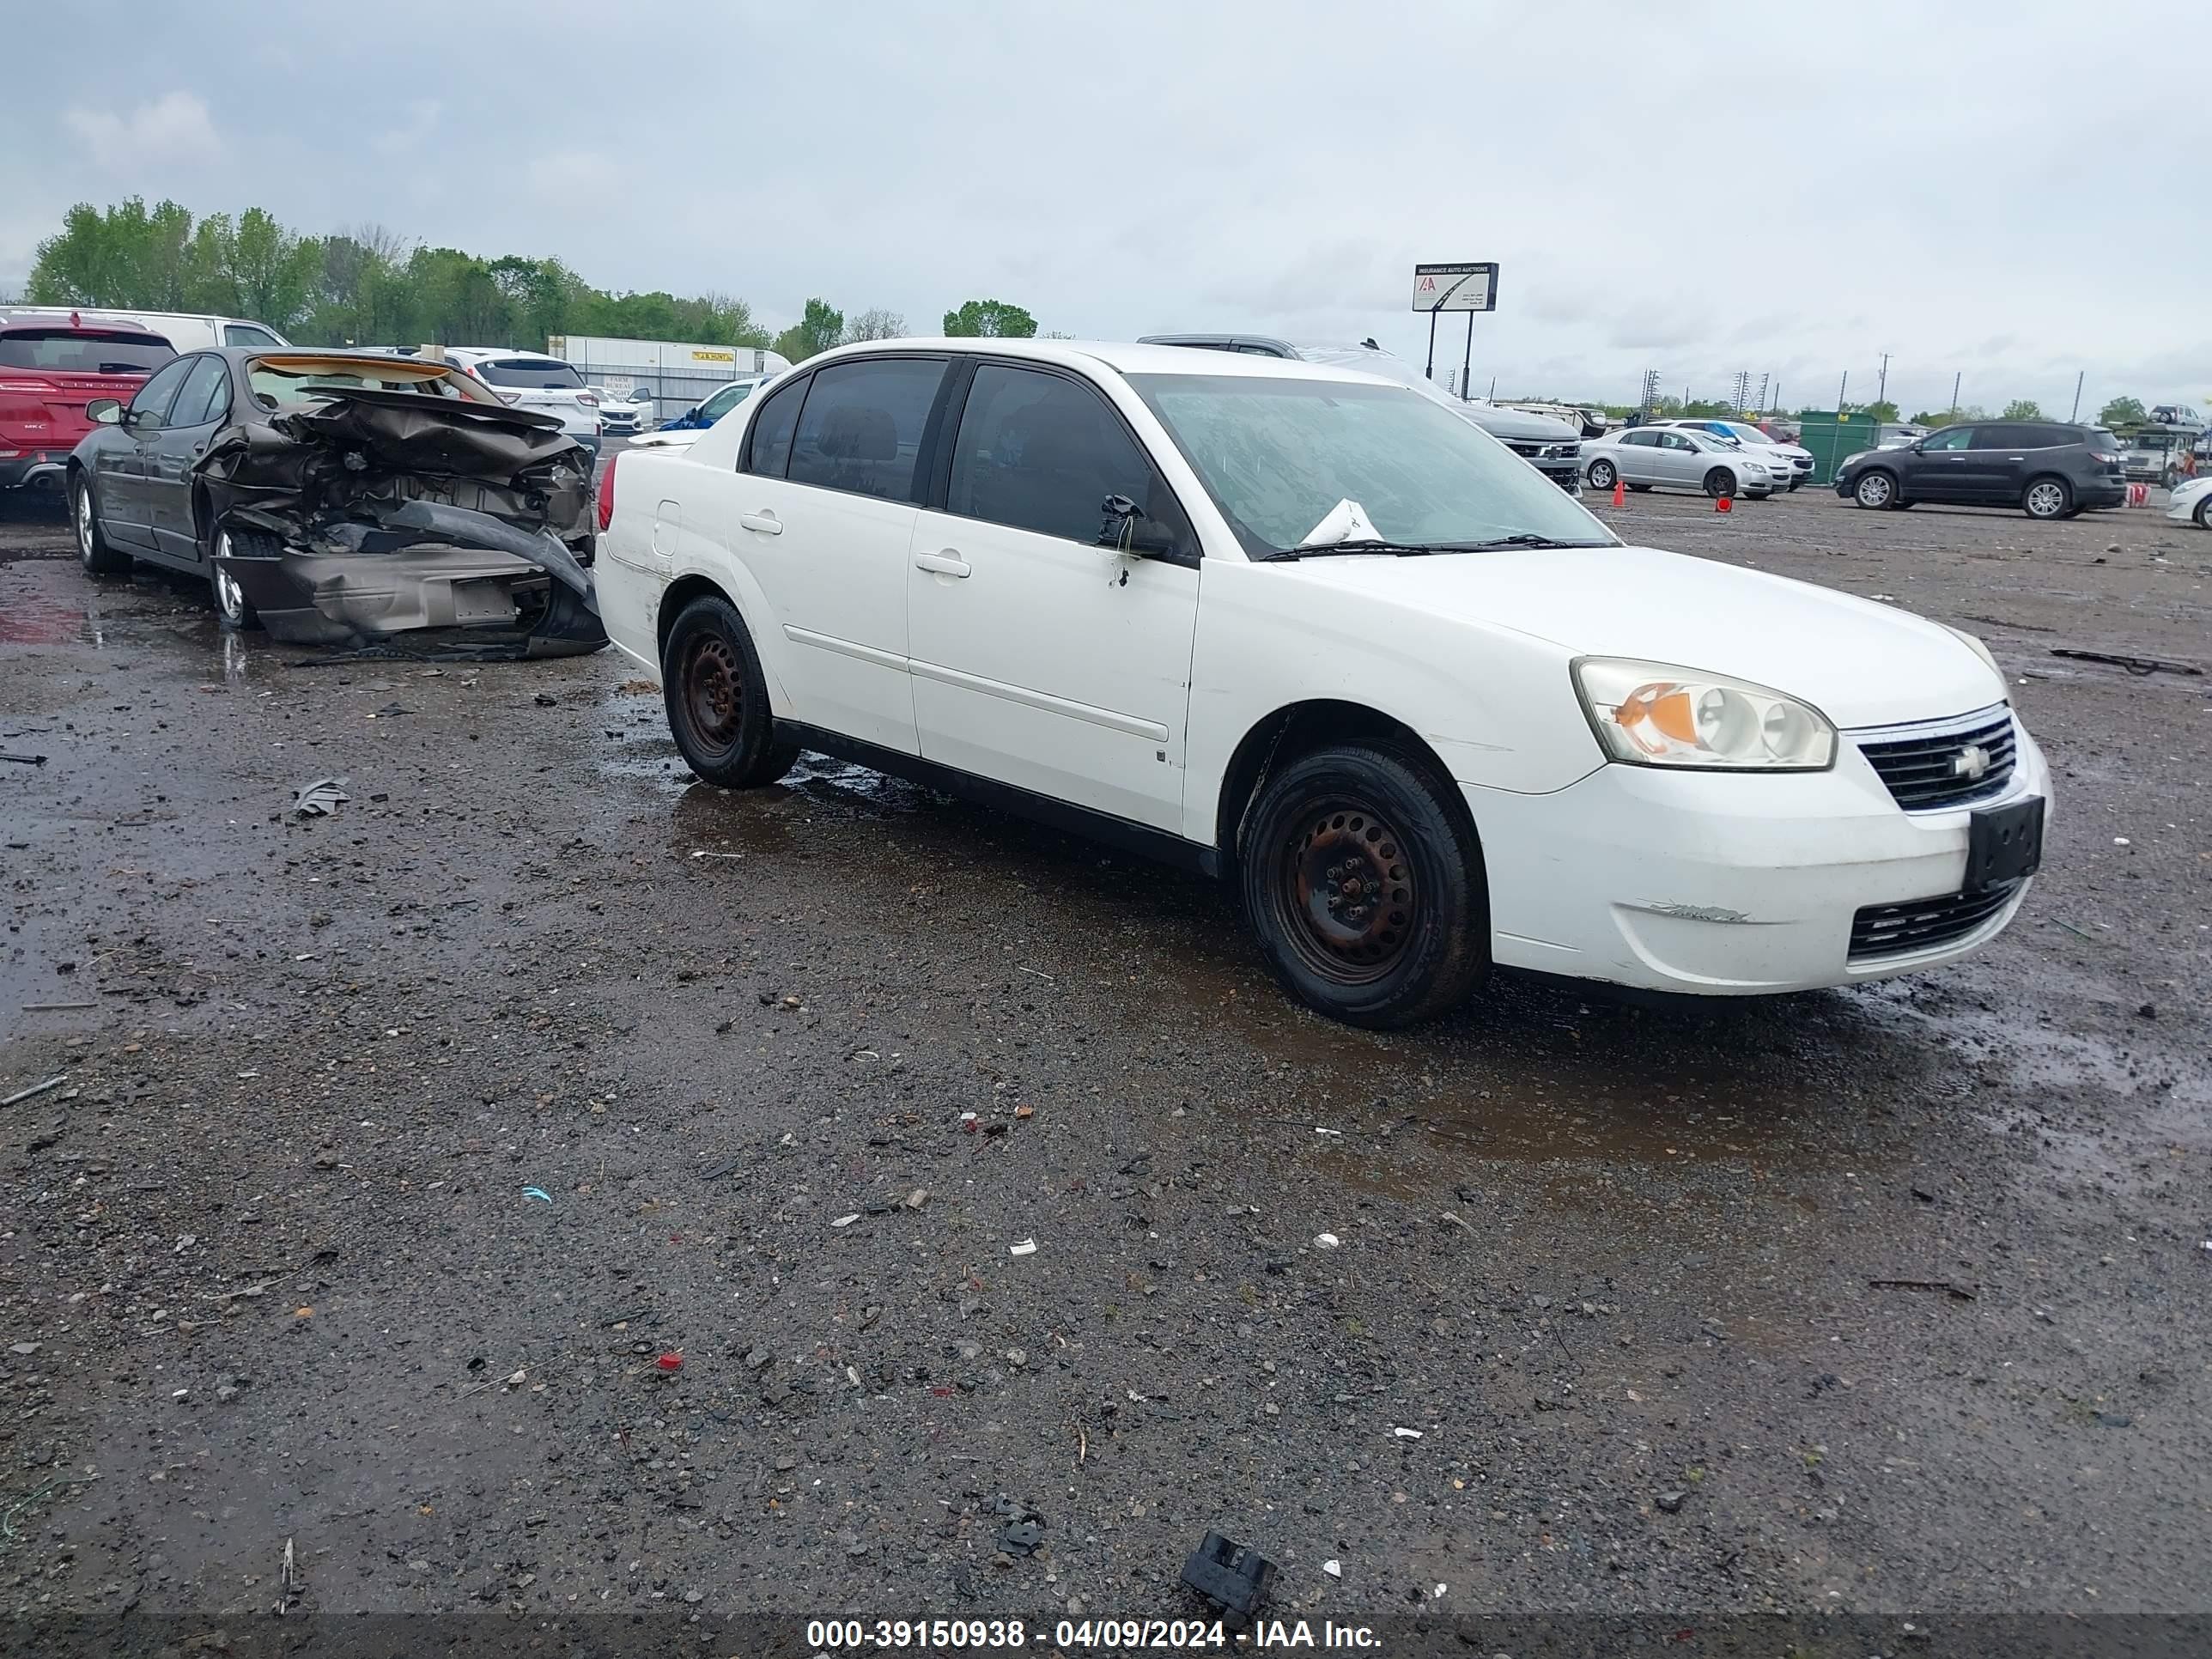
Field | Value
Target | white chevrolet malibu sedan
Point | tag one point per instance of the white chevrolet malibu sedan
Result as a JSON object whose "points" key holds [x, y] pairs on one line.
{"points": [[1310, 632]]}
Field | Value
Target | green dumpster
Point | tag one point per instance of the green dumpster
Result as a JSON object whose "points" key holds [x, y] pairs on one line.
{"points": [[1834, 437]]}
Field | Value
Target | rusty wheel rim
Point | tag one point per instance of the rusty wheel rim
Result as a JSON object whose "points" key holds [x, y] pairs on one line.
{"points": [[1348, 892], [713, 690]]}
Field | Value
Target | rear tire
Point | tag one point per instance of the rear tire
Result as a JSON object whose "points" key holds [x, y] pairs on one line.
{"points": [[1875, 490], [717, 698], [1720, 482], [1363, 884], [1602, 475], [2046, 498], [94, 552]]}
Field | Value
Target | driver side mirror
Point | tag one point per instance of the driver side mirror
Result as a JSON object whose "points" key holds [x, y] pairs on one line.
{"points": [[104, 411], [1127, 528]]}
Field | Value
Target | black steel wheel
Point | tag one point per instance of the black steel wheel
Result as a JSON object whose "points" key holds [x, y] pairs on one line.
{"points": [[1362, 880], [717, 698], [1720, 482]]}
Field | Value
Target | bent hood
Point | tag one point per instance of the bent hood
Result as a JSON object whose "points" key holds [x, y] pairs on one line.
{"points": [[1859, 662]]}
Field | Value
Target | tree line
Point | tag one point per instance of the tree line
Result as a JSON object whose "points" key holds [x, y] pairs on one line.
{"points": [[368, 286]]}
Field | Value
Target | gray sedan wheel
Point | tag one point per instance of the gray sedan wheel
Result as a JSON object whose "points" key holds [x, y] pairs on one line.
{"points": [[231, 604], [1875, 490], [93, 551], [1601, 474]]}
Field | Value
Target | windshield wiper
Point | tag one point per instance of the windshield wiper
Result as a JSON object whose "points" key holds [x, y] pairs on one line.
{"points": [[1415, 550]]}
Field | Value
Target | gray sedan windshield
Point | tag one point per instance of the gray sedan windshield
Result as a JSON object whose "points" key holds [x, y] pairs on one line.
{"points": [[1278, 455]]}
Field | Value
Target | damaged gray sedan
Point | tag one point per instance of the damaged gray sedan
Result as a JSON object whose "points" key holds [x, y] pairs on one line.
{"points": [[343, 497]]}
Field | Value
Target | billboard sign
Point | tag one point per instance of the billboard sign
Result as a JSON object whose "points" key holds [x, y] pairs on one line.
{"points": [[1455, 288]]}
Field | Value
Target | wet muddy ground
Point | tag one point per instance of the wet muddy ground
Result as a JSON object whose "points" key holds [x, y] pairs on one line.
{"points": [[395, 1149]]}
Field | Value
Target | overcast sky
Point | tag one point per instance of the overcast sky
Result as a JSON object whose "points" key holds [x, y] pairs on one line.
{"points": [[1698, 189]]}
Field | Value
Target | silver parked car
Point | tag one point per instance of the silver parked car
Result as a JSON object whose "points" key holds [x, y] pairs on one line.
{"points": [[1671, 457]]}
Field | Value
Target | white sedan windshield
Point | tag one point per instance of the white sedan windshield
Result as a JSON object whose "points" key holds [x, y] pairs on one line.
{"points": [[1278, 456]]}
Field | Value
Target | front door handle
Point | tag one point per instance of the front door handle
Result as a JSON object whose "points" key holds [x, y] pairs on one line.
{"points": [[947, 563], [767, 523], [2016, 458]]}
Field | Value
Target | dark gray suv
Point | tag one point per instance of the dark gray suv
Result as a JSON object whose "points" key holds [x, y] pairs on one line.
{"points": [[2047, 469]]}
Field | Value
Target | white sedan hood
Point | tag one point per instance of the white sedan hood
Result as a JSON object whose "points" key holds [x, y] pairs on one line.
{"points": [[1859, 662]]}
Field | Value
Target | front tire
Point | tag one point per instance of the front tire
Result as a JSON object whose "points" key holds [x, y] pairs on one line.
{"points": [[232, 607], [1720, 482], [1363, 884], [1874, 491], [2204, 513], [1602, 475], [717, 698], [2047, 498], [93, 551]]}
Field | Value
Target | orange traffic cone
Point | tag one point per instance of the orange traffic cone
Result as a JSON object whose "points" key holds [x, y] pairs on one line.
{"points": [[1619, 493], [1723, 503]]}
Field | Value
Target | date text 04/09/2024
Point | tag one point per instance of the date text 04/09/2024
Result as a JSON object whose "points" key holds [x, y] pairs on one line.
{"points": [[1080, 1635]]}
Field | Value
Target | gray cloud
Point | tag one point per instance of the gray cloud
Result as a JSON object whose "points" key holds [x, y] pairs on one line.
{"points": [[1119, 168]]}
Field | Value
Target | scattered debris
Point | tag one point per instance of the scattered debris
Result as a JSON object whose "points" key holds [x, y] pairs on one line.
{"points": [[1024, 1527], [1447, 1215], [1234, 1576], [1949, 1287], [1332, 1567], [1671, 1502], [669, 1363], [2139, 667], [1027, 1246], [537, 1193], [917, 1198], [1407, 1434], [26, 759], [1025, 1111], [545, 700], [716, 1171], [703, 853], [53, 1082], [22, 1349], [1326, 1241], [846, 1220], [320, 799], [55, 1007]]}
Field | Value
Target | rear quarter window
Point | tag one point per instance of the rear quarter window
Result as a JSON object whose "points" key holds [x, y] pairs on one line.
{"points": [[529, 375]]}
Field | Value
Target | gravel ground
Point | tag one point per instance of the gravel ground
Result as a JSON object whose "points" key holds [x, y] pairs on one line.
{"points": [[395, 1150]]}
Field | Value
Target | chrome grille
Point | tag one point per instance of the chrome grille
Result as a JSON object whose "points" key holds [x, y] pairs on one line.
{"points": [[1901, 930], [1929, 767]]}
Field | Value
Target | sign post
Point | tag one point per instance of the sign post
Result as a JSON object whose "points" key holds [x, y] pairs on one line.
{"points": [[1464, 287]]}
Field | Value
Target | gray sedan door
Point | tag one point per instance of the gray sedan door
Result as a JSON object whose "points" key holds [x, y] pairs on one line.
{"points": [[200, 409], [1680, 461], [119, 473]]}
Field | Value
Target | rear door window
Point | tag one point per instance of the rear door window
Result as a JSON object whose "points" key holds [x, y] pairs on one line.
{"points": [[861, 430], [206, 394], [767, 446], [1039, 451]]}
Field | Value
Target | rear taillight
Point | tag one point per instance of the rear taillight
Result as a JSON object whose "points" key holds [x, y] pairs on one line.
{"points": [[2100, 455], [607, 492], [588, 400]]}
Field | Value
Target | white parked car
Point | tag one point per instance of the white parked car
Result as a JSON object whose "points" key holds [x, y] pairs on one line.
{"points": [[1668, 457], [185, 330], [1306, 630], [623, 413], [1791, 465], [530, 379], [2192, 504]]}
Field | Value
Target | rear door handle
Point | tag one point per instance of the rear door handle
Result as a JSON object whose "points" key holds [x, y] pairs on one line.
{"points": [[2016, 458], [767, 523], [947, 563]]}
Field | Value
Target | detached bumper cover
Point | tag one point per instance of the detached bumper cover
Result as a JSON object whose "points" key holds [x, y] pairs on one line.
{"points": [[489, 588]]}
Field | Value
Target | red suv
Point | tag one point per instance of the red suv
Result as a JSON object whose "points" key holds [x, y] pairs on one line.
{"points": [[49, 371]]}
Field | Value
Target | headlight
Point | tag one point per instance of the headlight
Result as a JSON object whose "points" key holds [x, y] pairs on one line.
{"points": [[1979, 649], [1652, 714]]}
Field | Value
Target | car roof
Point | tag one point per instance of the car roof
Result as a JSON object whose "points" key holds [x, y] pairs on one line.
{"points": [[1124, 357]]}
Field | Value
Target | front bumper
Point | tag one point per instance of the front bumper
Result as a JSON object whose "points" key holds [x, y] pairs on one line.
{"points": [[1723, 884]]}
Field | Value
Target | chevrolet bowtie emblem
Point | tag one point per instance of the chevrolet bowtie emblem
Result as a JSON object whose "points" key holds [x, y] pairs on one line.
{"points": [[1972, 763]]}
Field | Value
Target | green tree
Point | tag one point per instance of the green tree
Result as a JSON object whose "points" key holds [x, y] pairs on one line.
{"points": [[818, 329], [1882, 409], [2121, 411], [2023, 409], [993, 319]]}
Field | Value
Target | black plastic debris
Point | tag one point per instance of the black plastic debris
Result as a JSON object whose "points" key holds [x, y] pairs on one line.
{"points": [[1024, 1527], [1234, 1576]]}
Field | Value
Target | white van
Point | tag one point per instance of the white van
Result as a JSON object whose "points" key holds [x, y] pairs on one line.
{"points": [[185, 330]]}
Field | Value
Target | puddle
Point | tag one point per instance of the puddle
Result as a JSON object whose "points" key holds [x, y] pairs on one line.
{"points": [[27, 621]]}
